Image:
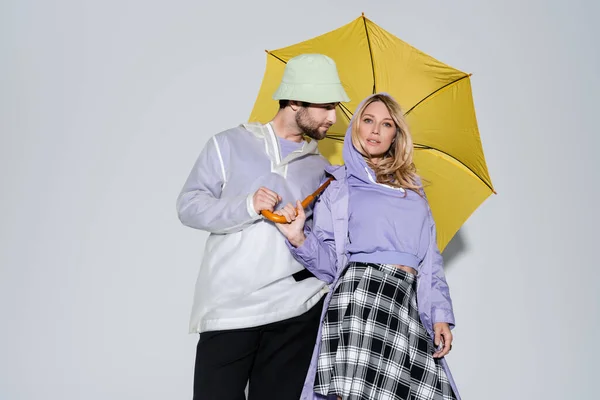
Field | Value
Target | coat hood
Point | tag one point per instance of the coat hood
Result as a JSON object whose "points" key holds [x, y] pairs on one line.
{"points": [[357, 170]]}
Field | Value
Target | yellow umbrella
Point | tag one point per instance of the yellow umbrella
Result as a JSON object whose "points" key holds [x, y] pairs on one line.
{"points": [[438, 105]]}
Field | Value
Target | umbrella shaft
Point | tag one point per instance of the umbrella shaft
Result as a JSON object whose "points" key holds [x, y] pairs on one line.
{"points": [[280, 219]]}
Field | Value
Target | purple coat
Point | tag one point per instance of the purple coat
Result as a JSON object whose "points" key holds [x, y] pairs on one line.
{"points": [[324, 254]]}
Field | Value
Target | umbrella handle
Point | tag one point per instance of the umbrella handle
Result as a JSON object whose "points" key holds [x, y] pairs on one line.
{"points": [[280, 219]]}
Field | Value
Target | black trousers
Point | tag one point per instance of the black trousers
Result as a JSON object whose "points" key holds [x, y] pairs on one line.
{"points": [[274, 358]]}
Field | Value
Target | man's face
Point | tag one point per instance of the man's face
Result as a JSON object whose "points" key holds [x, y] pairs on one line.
{"points": [[316, 119]]}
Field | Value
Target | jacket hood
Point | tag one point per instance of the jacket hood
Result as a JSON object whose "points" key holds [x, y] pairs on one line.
{"points": [[357, 170]]}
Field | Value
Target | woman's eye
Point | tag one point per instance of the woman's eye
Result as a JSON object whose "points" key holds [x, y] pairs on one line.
{"points": [[387, 125], [367, 120]]}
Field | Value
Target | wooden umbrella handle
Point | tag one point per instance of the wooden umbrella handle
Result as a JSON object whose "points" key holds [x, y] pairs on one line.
{"points": [[280, 219]]}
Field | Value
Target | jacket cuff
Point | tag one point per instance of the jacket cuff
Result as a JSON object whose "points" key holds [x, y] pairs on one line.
{"points": [[443, 315], [307, 256], [250, 207], [305, 251]]}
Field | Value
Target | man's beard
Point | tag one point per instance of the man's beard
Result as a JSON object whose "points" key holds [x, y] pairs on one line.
{"points": [[309, 126]]}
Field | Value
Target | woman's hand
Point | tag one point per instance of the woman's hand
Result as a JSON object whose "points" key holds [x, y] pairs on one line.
{"points": [[293, 230], [443, 336]]}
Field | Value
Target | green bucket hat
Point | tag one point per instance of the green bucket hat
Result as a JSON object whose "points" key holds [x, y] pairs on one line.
{"points": [[312, 78]]}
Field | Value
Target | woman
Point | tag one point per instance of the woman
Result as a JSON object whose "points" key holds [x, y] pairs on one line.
{"points": [[374, 240]]}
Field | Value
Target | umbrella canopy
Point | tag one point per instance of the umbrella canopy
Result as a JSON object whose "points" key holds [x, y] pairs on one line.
{"points": [[438, 105]]}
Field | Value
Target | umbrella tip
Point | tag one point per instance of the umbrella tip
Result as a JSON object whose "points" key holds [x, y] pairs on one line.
{"points": [[266, 51], [363, 14]]}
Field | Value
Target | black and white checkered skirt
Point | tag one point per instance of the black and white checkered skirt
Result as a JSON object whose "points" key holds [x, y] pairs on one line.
{"points": [[373, 343]]}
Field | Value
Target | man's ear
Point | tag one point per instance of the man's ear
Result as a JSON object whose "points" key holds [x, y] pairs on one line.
{"points": [[295, 105]]}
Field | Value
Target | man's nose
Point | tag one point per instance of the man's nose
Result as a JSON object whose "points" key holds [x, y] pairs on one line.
{"points": [[331, 116]]}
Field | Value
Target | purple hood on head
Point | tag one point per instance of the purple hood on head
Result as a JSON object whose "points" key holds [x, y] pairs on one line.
{"points": [[357, 170]]}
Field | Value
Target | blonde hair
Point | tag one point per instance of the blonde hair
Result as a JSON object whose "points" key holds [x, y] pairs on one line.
{"points": [[396, 169]]}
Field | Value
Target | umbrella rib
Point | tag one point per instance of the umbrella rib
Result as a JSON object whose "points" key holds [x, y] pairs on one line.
{"points": [[273, 55], [434, 92], [345, 110], [370, 52], [423, 147]]}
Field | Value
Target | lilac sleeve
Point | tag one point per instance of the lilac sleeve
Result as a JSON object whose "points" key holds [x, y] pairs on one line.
{"points": [[317, 253], [200, 204], [441, 303]]}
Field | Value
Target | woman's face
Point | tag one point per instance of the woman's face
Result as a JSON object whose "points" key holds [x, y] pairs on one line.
{"points": [[376, 131]]}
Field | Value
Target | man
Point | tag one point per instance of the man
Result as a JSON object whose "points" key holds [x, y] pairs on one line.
{"points": [[256, 308]]}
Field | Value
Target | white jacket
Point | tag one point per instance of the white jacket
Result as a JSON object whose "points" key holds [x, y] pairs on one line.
{"points": [[245, 278]]}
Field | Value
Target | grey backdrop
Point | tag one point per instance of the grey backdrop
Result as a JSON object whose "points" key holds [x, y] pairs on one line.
{"points": [[104, 107]]}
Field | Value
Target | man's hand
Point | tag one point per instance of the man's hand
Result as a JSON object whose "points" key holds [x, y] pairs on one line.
{"points": [[265, 199]]}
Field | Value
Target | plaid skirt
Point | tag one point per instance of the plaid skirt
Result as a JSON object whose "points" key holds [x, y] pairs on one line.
{"points": [[373, 343]]}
